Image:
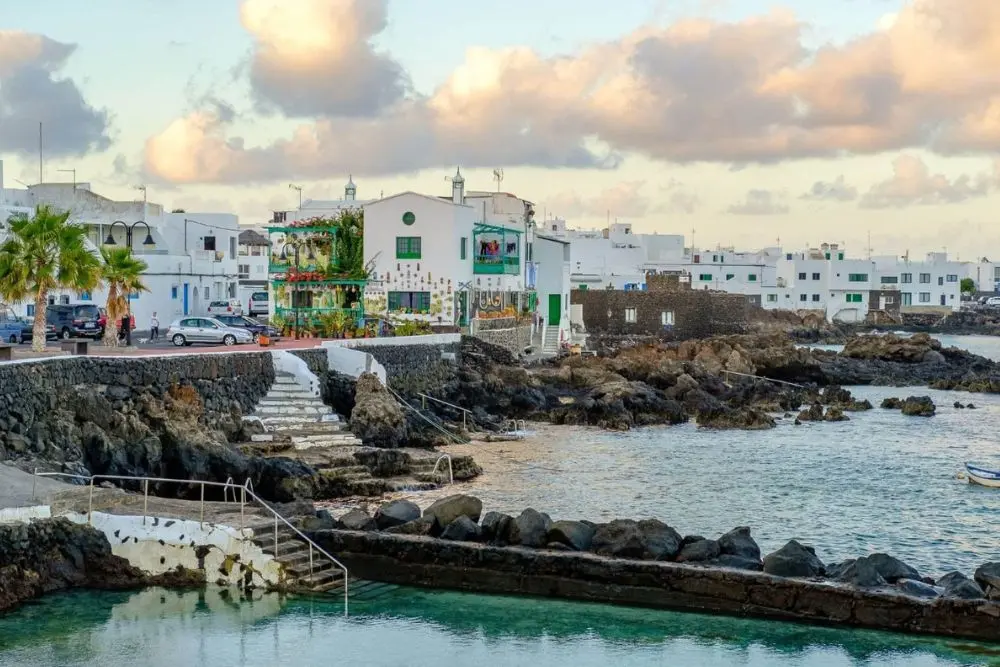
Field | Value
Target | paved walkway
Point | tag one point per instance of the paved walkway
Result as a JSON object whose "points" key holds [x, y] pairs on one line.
{"points": [[16, 485], [21, 352]]}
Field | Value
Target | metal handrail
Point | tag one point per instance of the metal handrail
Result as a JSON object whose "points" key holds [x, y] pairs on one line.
{"points": [[451, 473], [225, 491], [424, 398], [245, 490], [399, 399], [761, 377]]}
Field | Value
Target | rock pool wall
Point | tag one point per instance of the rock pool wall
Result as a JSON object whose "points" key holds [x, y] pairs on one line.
{"points": [[430, 562], [415, 363]]}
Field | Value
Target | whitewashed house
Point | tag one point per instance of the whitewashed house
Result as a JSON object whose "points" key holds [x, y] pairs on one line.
{"points": [[822, 279], [931, 284], [191, 257], [984, 273], [550, 269], [254, 252]]}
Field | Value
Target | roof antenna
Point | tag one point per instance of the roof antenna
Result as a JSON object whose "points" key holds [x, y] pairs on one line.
{"points": [[498, 177]]}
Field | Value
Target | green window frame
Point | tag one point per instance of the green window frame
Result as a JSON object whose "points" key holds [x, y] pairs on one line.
{"points": [[857, 277], [730, 276], [752, 278], [854, 298], [407, 247], [417, 301], [463, 248], [705, 277], [840, 255]]}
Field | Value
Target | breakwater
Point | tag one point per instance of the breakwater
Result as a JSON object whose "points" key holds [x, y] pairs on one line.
{"points": [[648, 563]]}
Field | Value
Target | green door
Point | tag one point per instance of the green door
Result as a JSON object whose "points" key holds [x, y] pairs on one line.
{"points": [[555, 309]]}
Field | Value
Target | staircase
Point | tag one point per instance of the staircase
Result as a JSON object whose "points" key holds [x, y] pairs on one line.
{"points": [[550, 342], [293, 554], [292, 410]]}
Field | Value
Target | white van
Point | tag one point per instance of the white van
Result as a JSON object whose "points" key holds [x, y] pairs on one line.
{"points": [[258, 305]]}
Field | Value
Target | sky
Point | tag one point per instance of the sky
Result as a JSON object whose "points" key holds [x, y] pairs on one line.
{"points": [[747, 123]]}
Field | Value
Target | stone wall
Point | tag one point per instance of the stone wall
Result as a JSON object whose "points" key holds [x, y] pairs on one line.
{"points": [[513, 337], [413, 363], [423, 561], [693, 313], [316, 359]]}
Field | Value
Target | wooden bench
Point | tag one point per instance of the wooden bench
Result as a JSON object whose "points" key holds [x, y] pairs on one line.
{"points": [[6, 352], [75, 345]]}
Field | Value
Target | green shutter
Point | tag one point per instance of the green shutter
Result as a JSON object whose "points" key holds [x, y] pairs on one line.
{"points": [[424, 299], [752, 277], [730, 276], [393, 300], [462, 248]]}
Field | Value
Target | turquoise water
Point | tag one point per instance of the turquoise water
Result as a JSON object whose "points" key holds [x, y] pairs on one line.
{"points": [[410, 628]]}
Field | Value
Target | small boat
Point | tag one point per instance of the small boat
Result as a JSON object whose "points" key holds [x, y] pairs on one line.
{"points": [[983, 476]]}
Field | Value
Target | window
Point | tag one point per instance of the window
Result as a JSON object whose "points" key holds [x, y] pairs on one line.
{"points": [[940, 280], [752, 277], [772, 298], [244, 271], [730, 276], [906, 278], [206, 293], [463, 248], [232, 247], [582, 287], [409, 218], [715, 258], [815, 276], [828, 255], [840, 255], [667, 318], [925, 278], [889, 280], [413, 301], [173, 291], [705, 277], [788, 256], [952, 278], [815, 297], [907, 298], [256, 251], [631, 315], [853, 298], [85, 296], [133, 296], [889, 300], [209, 243], [802, 275], [31, 310], [857, 277], [697, 259], [407, 247], [244, 251], [803, 297], [925, 297]]}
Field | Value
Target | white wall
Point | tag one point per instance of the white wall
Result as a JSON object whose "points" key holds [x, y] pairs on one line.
{"points": [[553, 277], [933, 283]]}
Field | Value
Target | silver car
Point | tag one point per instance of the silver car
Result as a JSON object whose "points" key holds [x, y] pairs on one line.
{"points": [[189, 330]]}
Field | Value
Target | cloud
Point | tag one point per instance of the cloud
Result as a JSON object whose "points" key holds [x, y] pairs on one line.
{"points": [[912, 184], [760, 202], [679, 198], [624, 200], [697, 90], [315, 57], [30, 92], [837, 190]]}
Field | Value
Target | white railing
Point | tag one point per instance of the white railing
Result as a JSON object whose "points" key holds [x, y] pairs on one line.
{"points": [[424, 398], [515, 427], [451, 473], [246, 489]]}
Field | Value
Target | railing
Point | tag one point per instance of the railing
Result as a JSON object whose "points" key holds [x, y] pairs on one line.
{"points": [[510, 264], [423, 404], [452, 436], [515, 427], [451, 473], [246, 489], [761, 377]]}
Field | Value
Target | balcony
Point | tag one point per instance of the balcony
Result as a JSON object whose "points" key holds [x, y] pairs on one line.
{"points": [[492, 265]]}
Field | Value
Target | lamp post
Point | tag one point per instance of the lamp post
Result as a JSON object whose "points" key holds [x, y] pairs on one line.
{"points": [[147, 242], [296, 246]]}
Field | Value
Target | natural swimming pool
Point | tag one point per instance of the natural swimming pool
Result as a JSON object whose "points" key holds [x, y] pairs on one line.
{"points": [[416, 628]]}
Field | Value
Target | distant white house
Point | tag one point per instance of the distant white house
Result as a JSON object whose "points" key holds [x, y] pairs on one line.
{"points": [[550, 268], [933, 283], [192, 257], [254, 252]]}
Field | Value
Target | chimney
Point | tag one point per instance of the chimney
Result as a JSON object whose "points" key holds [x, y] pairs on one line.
{"points": [[458, 187]]}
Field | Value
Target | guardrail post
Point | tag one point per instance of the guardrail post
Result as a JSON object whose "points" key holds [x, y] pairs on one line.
{"points": [[465, 426], [275, 534], [90, 504], [202, 518], [423, 402], [310, 558], [243, 500], [33, 478], [145, 500]]}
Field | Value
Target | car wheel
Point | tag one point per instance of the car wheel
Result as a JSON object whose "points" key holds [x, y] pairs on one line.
{"points": [[229, 340], [13, 340], [66, 334], [178, 341]]}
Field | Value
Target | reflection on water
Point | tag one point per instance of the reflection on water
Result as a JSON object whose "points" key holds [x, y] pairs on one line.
{"points": [[423, 628]]}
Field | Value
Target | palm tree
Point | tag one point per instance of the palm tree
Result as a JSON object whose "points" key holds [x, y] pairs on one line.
{"points": [[44, 253], [122, 273]]}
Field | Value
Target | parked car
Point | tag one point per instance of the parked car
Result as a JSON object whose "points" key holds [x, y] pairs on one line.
{"points": [[251, 325], [190, 330], [259, 304], [28, 331], [10, 329], [230, 307], [79, 321], [993, 301]]}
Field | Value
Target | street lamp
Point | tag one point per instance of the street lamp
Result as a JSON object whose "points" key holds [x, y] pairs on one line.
{"points": [[129, 229], [296, 246]]}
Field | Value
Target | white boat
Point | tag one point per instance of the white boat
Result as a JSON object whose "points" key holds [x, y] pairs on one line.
{"points": [[983, 476]]}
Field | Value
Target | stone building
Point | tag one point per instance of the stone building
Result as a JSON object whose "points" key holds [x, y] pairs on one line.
{"points": [[670, 310]]}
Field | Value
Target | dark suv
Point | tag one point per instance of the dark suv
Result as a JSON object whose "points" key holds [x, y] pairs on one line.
{"points": [[251, 325], [79, 321]]}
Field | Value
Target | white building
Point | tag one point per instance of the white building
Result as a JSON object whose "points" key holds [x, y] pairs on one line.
{"points": [[254, 251], [931, 284], [984, 273], [822, 279], [550, 268], [321, 208], [192, 259], [434, 255]]}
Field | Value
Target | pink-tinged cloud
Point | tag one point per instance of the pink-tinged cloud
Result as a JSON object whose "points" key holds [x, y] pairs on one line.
{"points": [[913, 184], [697, 90]]}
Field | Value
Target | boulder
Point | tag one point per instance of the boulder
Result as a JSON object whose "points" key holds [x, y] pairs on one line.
{"points": [[462, 529], [988, 577], [918, 348], [574, 534], [496, 527], [425, 525], [918, 589], [814, 413], [739, 562], [919, 406], [892, 569], [698, 551], [530, 529], [794, 560], [396, 513], [739, 542], [377, 419], [835, 570], [835, 413], [448, 509], [357, 519], [957, 585], [861, 573], [892, 403], [649, 539], [311, 524]]}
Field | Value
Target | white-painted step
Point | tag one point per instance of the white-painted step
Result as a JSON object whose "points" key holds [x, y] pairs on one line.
{"points": [[284, 410]]}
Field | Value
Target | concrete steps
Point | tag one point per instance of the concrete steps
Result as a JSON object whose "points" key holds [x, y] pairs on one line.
{"points": [[313, 574], [550, 342]]}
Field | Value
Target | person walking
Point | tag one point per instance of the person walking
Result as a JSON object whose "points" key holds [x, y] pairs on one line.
{"points": [[124, 332], [154, 327]]}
